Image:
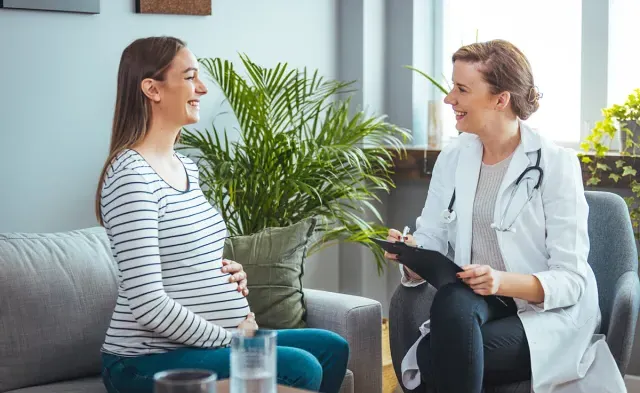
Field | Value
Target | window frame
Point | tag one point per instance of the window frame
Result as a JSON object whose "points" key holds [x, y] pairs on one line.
{"points": [[594, 62]]}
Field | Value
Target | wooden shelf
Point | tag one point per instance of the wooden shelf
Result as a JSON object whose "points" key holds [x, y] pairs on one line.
{"points": [[414, 166]]}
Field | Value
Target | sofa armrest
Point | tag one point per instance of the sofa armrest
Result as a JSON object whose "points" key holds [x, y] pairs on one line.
{"points": [[359, 321], [622, 322]]}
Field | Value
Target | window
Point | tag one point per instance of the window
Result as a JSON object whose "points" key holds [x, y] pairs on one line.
{"points": [[583, 54], [624, 56], [549, 34]]}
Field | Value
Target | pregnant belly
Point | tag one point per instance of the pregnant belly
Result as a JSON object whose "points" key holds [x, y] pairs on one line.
{"points": [[215, 299]]}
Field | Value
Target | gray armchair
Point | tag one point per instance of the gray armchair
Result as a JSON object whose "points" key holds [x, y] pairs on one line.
{"points": [[614, 259]]}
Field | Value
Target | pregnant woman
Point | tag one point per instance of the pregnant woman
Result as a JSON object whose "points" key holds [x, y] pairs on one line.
{"points": [[177, 298]]}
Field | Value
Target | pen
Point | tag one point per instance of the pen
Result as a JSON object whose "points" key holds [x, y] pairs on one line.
{"points": [[405, 232]]}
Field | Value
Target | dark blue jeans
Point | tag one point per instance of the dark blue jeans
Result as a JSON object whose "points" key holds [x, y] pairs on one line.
{"points": [[311, 359], [472, 343]]}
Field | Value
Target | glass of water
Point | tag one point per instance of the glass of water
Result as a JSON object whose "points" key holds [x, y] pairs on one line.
{"points": [[185, 381], [253, 361]]}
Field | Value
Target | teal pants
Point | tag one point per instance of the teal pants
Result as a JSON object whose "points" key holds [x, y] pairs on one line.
{"points": [[310, 359]]}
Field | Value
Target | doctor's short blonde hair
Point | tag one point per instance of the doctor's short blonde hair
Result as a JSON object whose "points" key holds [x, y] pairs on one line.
{"points": [[505, 68]]}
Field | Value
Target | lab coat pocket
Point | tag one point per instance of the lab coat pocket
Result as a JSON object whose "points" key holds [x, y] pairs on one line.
{"points": [[576, 314]]}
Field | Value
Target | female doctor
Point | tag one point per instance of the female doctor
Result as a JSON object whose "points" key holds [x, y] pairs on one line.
{"points": [[511, 204]]}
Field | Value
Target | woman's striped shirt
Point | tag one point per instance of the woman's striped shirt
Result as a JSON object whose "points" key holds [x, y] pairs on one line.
{"points": [[168, 245]]}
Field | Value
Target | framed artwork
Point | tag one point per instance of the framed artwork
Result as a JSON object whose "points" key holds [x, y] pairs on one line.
{"points": [[82, 6], [179, 7]]}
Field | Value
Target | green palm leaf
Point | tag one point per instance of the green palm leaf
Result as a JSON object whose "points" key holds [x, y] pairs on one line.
{"points": [[301, 153], [433, 81]]}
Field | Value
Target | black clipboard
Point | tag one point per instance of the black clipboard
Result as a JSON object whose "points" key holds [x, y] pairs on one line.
{"points": [[434, 267]]}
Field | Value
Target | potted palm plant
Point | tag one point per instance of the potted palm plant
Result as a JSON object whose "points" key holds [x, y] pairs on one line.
{"points": [[303, 151]]}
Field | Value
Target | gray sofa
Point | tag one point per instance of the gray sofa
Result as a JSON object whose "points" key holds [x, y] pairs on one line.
{"points": [[614, 259], [57, 292]]}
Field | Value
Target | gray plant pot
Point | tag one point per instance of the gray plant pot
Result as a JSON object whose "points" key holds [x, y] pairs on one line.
{"points": [[634, 127]]}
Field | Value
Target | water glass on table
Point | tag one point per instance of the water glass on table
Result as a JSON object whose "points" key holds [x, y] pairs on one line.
{"points": [[253, 361], [185, 381]]}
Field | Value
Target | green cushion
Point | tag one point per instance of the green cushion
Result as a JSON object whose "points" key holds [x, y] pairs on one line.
{"points": [[274, 262]]}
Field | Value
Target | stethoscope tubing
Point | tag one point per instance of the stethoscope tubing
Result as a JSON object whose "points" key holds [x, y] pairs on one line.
{"points": [[449, 214]]}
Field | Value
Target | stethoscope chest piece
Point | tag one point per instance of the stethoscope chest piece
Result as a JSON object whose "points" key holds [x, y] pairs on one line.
{"points": [[448, 216]]}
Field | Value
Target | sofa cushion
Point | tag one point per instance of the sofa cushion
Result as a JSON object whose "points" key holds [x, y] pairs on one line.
{"points": [[95, 385], [274, 260], [57, 293], [83, 385]]}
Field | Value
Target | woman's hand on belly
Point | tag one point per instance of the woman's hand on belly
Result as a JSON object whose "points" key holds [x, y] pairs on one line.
{"points": [[249, 323], [237, 275]]}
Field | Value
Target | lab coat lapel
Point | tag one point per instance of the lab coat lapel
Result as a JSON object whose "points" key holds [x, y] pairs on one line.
{"points": [[523, 157], [519, 162], [467, 174]]}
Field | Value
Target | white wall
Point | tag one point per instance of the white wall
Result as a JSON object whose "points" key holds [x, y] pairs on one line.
{"points": [[57, 89]]}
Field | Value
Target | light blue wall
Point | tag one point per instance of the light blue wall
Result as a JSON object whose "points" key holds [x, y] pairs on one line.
{"points": [[57, 87]]}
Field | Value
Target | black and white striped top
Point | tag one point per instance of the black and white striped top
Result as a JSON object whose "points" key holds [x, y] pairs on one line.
{"points": [[168, 245]]}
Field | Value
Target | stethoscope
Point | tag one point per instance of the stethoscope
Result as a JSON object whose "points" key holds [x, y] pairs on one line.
{"points": [[449, 215]]}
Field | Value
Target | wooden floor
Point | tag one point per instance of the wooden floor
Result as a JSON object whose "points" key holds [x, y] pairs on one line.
{"points": [[633, 384]]}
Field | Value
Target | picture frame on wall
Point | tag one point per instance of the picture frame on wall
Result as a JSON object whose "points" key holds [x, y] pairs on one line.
{"points": [[80, 6], [175, 7]]}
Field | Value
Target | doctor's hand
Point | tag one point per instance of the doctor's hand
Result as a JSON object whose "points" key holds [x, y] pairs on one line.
{"points": [[237, 275], [483, 279], [396, 236]]}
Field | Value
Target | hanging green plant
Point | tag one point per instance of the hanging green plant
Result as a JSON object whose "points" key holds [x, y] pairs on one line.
{"points": [[623, 121]]}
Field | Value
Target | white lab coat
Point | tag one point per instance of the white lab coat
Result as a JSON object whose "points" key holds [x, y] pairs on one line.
{"points": [[550, 241]]}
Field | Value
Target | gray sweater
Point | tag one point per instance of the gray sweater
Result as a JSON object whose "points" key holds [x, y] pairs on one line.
{"points": [[484, 241]]}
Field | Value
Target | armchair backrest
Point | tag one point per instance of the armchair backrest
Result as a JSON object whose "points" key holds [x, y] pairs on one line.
{"points": [[613, 249]]}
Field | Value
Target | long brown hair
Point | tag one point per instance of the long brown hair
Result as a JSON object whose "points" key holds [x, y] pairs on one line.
{"points": [[505, 68], [143, 58]]}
